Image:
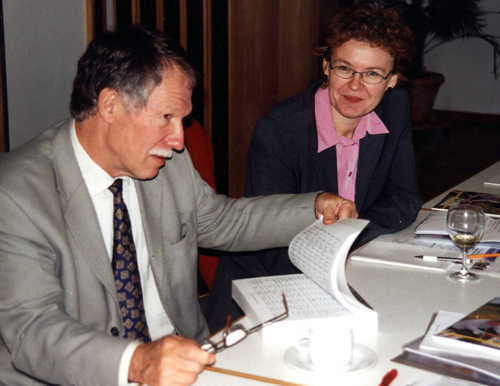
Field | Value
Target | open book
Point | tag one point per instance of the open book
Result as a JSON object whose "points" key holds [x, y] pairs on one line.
{"points": [[316, 296], [476, 334]]}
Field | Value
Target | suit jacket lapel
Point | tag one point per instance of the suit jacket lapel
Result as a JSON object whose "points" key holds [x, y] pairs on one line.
{"points": [[150, 194], [370, 150], [79, 211], [324, 163]]}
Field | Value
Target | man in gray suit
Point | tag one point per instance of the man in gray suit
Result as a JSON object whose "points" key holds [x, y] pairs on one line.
{"points": [[62, 320]]}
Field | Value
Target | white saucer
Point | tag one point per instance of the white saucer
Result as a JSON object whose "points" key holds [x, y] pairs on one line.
{"points": [[362, 359]]}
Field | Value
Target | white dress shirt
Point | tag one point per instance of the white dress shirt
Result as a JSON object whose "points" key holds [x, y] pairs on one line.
{"points": [[98, 181]]}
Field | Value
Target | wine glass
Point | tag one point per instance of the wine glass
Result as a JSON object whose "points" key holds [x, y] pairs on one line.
{"points": [[465, 224]]}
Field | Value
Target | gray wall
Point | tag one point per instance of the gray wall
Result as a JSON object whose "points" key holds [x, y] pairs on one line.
{"points": [[43, 41], [467, 66]]}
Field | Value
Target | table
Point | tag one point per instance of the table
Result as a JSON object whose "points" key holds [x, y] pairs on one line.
{"points": [[405, 300], [474, 184]]}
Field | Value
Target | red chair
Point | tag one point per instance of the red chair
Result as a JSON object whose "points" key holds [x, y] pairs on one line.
{"points": [[198, 142]]}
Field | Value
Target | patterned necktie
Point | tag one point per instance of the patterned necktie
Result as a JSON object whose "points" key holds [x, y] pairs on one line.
{"points": [[124, 264]]}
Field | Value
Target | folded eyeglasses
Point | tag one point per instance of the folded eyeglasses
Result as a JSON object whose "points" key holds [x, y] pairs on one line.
{"points": [[234, 334]]}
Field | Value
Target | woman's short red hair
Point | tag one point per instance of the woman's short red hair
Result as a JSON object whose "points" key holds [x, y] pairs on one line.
{"points": [[380, 28]]}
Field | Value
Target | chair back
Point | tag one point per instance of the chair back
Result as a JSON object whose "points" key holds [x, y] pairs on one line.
{"points": [[197, 141]]}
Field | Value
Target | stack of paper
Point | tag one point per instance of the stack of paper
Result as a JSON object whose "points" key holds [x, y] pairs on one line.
{"points": [[320, 295], [309, 305]]}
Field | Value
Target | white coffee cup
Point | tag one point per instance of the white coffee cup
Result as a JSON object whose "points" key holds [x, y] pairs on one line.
{"points": [[329, 347]]}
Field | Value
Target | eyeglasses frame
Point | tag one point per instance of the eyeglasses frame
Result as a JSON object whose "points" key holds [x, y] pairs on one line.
{"points": [[360, 73], [209, 346]]}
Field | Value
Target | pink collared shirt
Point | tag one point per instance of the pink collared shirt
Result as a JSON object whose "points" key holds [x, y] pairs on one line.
{"points": [[347, 149]]}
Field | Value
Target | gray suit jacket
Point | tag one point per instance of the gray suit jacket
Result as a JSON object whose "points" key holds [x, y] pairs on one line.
{"points": [[58, 301]]}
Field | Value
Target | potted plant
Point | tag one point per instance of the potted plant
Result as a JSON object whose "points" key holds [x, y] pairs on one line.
{"points": [[436, 22]]}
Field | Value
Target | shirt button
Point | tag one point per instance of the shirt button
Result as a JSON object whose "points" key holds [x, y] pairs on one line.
{"points": [[114, 331], [350, 174]]}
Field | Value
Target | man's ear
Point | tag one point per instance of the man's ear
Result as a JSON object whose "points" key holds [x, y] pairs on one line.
{"points": [[107, 104]]}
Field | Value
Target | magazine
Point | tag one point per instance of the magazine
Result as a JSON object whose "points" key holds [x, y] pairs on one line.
{"points": [[489, 202], [477, 334], [422, 354]]}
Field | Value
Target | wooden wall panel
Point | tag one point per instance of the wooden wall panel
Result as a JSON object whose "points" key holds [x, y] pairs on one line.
{"points": [[136, 12], [299, 29], [253, 77], [183, 23], [207, 65], [269, 59], [90, 8]]}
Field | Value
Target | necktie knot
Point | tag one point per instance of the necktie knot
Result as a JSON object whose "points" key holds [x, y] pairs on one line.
{"points": [[116, 187]]}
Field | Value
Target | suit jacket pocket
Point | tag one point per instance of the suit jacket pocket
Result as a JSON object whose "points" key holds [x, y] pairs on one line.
{"points": [[182, 257]]}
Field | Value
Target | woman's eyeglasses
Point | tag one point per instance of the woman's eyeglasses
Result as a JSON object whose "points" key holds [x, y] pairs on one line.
{"points": [[370, 77]]}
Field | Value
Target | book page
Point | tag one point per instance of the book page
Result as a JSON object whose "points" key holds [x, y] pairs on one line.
{"points": [[308, 305], [320, 251], [305, 299]]}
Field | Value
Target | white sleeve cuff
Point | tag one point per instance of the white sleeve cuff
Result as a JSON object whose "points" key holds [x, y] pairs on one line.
{"points": [[125, 363]]}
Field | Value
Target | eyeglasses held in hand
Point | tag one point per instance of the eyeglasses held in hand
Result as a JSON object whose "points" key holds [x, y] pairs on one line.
{"points": [[234, 334], [370, 77]]}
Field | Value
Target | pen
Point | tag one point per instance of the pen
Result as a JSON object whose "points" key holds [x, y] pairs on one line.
{"points": [[389, 377], [484, 256], [439, 258]]}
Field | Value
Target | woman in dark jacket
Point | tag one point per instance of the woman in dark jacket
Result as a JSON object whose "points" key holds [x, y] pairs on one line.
{"points": [[349, 133]]}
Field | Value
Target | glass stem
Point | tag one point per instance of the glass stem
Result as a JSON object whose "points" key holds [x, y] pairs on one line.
{"points": [[465, 256]]}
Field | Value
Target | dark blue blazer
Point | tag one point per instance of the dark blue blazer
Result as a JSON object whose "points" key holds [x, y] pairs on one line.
{"points": [[284, 158]]}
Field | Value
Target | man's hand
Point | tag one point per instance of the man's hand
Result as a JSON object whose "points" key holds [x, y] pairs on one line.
{"points": [[171, 360], [333, 207]]}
